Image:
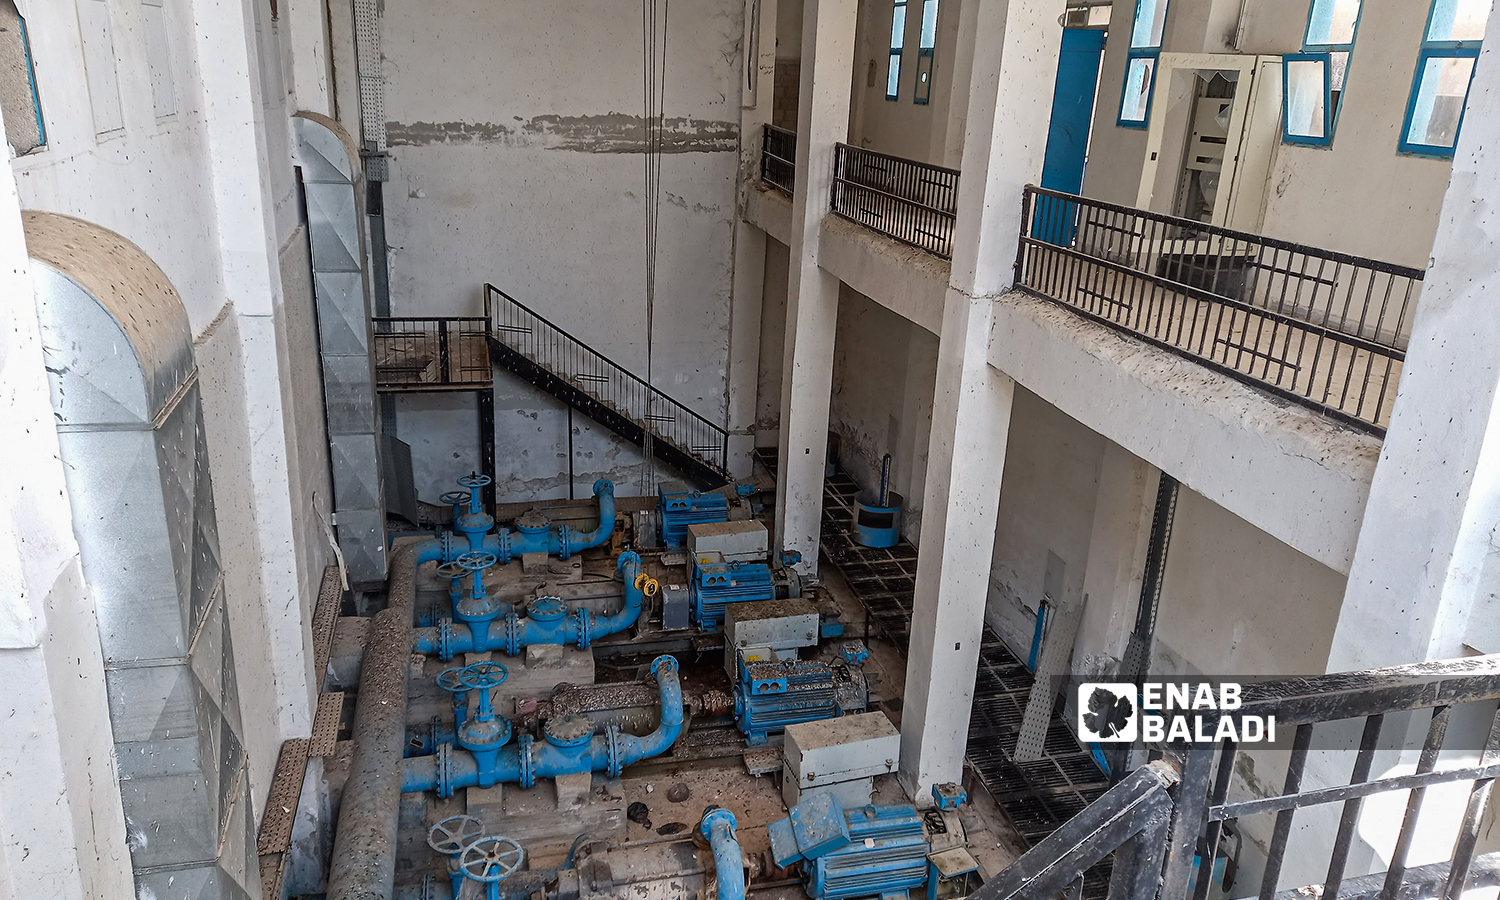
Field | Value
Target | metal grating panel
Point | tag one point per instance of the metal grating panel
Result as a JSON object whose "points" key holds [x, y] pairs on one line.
{"points": [[281, 806], [325, 734], [368, 65], [325, 616], [272, 868], [1057, 650]]}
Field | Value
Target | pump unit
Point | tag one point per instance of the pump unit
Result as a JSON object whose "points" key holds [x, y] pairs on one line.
{"points": [[716, 583], [870, 851], [678, 507], [772, 694]]}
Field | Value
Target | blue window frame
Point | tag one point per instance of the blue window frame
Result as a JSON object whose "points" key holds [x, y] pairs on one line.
{"points": [[898, 38], [1313, 80], [1445, 68], [1140, 63], [925, 47]]}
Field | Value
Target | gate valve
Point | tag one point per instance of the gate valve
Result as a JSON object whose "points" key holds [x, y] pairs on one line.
{"points": [[473, 521], [491, 860], [533, 522], [451, 837], [455, 499], [454, 573], [486, 731], [477, 605], [568, 730], [546, 609]]}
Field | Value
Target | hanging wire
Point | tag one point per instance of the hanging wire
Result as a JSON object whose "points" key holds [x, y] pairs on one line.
{"points": [[654, 15]]}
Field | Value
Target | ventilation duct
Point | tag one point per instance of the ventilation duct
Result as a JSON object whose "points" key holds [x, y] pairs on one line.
{"points": [[119, 357], [330, 179]]}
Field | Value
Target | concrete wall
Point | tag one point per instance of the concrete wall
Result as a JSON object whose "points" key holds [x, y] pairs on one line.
{"points": [[531, 176], [1046, 505], [203, 183], [884, 371], [1317, 196], [772, 344], [902, 127]]}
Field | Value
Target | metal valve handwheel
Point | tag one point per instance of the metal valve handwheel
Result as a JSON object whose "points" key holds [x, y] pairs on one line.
{"points": [[452, 680], [481, 675], [453, 498], [473, 480], [451, 570], [454, 834], [491, 858], [475, 560]]}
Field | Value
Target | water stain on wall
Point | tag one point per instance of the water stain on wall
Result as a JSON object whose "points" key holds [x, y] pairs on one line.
{"points": [[608, 133]]}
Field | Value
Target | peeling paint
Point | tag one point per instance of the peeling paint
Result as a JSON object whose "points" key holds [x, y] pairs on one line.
{"points": [[607, 133]]}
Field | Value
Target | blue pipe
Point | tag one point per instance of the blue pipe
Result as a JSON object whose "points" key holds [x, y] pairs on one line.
{"points": [[559, 540], [547, 624], [527, 760], [729, 867]]}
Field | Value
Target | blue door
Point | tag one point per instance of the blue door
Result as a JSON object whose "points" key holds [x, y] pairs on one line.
{"points": [[1068, 137]]}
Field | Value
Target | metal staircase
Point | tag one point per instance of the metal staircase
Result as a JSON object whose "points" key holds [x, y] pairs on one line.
{"points": [[546, 356]]}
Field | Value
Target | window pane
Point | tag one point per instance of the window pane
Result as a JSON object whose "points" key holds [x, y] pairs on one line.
{"points": [[1150, 19], [1332, 22], [1305, 98], [893, 76], [1440, 101], [1340, 69], [898, 26], [1137, 89], [929, 24], [1458, 20]]}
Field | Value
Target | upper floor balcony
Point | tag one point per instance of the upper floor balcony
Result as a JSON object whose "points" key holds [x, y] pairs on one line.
{"points": [[1318, 328]]}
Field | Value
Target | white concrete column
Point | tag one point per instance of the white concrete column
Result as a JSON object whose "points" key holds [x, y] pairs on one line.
{"points": [[312, 65], [1118, 543], [1423, 582], [757, 91], [812, 302], [62, 824], [1009, 104]]}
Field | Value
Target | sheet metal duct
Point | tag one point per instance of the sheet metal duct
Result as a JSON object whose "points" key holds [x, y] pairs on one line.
{"points": [[330, 178], [119, 356]]}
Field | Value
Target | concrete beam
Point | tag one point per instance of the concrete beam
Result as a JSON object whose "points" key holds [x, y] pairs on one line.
{"points": [[812, 291]]}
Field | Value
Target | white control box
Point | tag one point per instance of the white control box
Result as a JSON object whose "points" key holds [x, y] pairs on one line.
{"points": [[847, 748], [778, 624], [738, 541]]}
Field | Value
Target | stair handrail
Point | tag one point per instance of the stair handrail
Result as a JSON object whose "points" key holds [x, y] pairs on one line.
{"points": [[652, 390]]}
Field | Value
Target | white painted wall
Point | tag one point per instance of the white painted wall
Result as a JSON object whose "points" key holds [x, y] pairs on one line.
{"points": [[772, 344], [902, 127], [884, 370], [1046, 504], [207, 190], [1318, 196], [531, 176]]}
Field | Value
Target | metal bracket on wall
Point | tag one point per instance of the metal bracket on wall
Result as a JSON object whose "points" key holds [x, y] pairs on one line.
{"points": [[1051, 672]]}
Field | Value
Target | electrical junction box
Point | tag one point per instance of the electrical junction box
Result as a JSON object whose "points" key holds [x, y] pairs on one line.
{"points": [[778, 624], [745, 541], [732, 655], [676, 607], [846, 748]]}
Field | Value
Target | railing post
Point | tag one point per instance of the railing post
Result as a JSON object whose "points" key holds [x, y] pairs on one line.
{"points": [[1026, 194]]}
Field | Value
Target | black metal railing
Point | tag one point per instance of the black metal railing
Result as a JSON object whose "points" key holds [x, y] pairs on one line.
{"points": [[605, 390], [1323, 329], [432, 353], [913, 202], [1164, 823], [778, 158]]}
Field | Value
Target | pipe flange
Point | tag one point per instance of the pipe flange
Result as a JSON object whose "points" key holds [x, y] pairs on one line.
{"points": [[502, 545], [532, 521], [546, 609], [569, 730], [717, 815], [445, 544], [445, 639], [564, 534], [615, 746], [512, 634], [663, 663], [585, 629], [526, 759], [444, 771]]}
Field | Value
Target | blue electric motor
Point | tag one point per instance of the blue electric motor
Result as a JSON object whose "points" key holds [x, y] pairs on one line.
{"points": [[677, 507], [873, 851], [771, 695], [716, 584]]}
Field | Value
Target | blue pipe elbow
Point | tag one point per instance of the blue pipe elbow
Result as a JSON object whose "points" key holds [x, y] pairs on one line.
{"points": [[560, 540], [729, 868], [512, 634], [524, 761]]}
